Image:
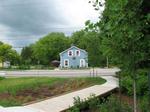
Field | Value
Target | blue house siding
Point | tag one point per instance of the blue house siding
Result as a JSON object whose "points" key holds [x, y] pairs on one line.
{"points": [[78, 59]]}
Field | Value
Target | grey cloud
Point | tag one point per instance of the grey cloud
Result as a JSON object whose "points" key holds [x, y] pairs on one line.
{"points": [[30, 17], [24, 21]]}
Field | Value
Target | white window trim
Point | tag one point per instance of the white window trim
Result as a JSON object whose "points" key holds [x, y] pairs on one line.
{"points": [[72, 53], [76, 52], [83, 62], [64, 62]]}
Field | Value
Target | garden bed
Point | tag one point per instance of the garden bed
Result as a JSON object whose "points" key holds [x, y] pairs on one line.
{"points": [[19, 91]]}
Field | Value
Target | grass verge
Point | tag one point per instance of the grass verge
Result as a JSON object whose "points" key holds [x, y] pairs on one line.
{"points": [[17, 91]]}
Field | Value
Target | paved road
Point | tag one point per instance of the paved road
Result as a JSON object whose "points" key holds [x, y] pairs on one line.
{"points": [[63, 73]]}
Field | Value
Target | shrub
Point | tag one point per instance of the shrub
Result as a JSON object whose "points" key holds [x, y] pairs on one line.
{"points": [[114, 105], [83, 104], [24, 67], [144, 104], [1, 78], [92, 104], [142, 83]]}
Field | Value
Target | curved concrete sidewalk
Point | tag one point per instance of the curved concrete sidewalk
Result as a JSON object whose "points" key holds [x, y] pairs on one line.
{"points": [[63, 102]]}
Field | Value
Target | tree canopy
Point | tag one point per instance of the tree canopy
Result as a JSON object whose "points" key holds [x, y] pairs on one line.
{"points": [[124, 28], [91, 42], [8, 54], [48, 48]]}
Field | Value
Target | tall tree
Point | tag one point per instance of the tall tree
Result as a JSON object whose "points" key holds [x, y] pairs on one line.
{"points": [[125, 29], [27, 55], [48, 48]]}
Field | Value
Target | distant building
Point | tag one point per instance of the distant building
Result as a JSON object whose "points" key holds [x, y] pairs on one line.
{"points": [[1, 64], [5, 64], [74, 57]]}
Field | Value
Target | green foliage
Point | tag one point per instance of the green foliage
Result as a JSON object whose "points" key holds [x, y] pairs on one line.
{"points": [[8, 54], [90, 41], [144, 104], [24, 67], [2, 78], [113, 105], [12, 86], [124, 28], [48, 48], [94, 104], [142, 83], [127, 84], [9, 103], [27, 56], [91, 103]]}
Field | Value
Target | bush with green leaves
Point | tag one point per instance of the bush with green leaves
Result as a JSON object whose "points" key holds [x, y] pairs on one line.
{"points": [[144, 104], [24, 67], [95, 104], [1, 78], [91, 103], [113, 104], [142, 83]]}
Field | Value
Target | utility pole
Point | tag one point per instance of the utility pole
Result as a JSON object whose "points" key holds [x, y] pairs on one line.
{"points": [[119, 74], [134, 91], [93, 71], [107, 62], [134, 76]]}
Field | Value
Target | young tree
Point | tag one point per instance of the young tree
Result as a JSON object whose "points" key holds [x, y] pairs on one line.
{"points": [[124, 27]]}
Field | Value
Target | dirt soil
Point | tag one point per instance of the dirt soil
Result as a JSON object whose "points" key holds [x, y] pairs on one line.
{"points": [[125, 98]]}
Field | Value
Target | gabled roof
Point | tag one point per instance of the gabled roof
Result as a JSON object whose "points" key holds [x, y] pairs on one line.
{"points": [[71, 48]]}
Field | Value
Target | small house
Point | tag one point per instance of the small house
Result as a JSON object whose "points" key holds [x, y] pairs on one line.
{"points": [[74, 57]]}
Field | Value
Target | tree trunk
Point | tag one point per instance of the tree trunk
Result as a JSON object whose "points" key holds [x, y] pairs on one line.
{"points": [[134, 92], [149, 86], [107, 63]]}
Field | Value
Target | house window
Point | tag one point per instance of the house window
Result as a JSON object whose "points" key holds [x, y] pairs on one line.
{"points": [[77, 53], [82, 63], [70, 53], [66, 63]]}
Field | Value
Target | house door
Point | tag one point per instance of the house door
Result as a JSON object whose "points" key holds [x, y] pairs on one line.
{"points": [[82, 63]]}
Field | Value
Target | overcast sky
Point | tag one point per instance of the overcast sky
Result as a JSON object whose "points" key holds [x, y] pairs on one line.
{"points": [[24, 21]]}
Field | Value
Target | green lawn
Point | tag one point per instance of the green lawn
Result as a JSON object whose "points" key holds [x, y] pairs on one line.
{"points": [[13, 85], [14, 91]]}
